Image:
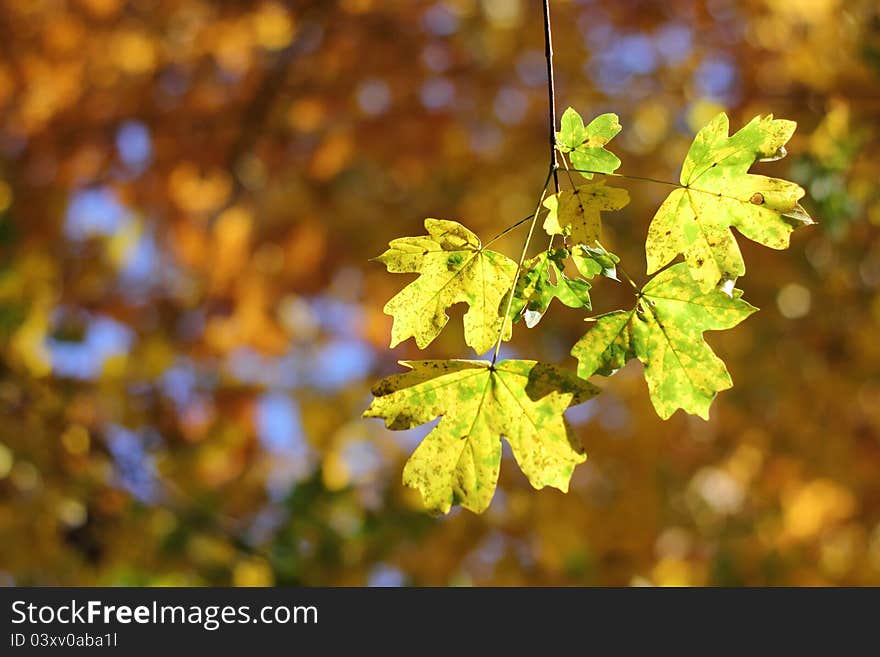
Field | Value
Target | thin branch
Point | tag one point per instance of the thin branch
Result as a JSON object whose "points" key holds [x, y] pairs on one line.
{"points": [[553, 171], [629, 279], [522, 259], [507, 230], [551, 94], [629, 177]]}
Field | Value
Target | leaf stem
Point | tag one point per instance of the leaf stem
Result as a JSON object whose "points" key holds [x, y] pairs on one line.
{"points": [[507, 230], [629, 279], [628, 177], [568, 172], [522, 259]]}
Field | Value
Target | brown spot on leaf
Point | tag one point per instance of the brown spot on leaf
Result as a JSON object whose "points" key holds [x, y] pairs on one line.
{"points": [[757, 198]]}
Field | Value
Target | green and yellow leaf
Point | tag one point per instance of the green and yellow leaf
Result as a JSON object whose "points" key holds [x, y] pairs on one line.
{"points": [[586, 144], [718, 193], [577, 213], [542, 280], [453, 268], [665, 332], [459, 460], [593, 261]]}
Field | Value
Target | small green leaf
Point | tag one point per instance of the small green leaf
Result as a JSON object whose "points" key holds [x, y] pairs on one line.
{"points": [[453, 268], [542, 280], [665, 332], [719, 193], [572, 292], [602, 129], [586, 144], [572, 133], [577, 213], [459, 460], [594, 261]]}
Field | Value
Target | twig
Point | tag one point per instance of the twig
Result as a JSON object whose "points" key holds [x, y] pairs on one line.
{"points": [[629, 279], [553, 171], [551, 94], [629, 177], [507, 230], [522, 259]]}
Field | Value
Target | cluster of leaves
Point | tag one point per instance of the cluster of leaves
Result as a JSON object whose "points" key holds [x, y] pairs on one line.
{"points": [[771, 491], [481, 401]]}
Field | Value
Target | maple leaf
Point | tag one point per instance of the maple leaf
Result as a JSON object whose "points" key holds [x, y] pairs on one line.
{"points": [[585, 145], [593, 261], [542, 280], [454, 268], [459, 460], [576, 213], [718, 193], [665, 332]]}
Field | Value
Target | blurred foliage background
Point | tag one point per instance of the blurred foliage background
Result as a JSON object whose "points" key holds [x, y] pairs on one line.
{"points": [[190, 191]]}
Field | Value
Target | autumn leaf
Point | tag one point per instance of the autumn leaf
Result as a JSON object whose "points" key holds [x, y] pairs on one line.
{"points": [[718, 193], [459, 460], [593, 261], [665, 332], [453, 268], [542, 280], [585, 145], [576, 213]]}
